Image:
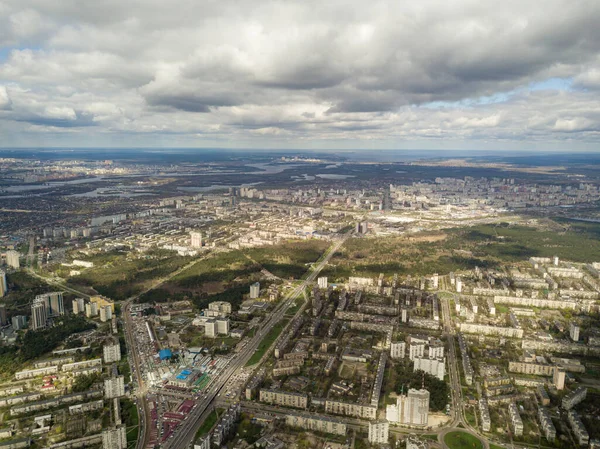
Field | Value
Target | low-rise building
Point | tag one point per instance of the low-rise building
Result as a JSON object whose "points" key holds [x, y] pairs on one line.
{"points": [[114, 438], [484, 414], [466, 360], [379, 432], [546, 424], [31, 373], [226, 425], [515, 419], [111, 351], [364, 411], [543, 395], [317, 424], [283, 398], [579, 430], [67, 367], [574, 397], [538, 369], [114, 387], [483, 329]]}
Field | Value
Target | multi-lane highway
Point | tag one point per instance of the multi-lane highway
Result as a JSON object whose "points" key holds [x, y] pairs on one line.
{"points": [[186, 433]]}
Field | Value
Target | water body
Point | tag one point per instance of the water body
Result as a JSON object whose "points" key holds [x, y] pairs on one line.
{"points": [[334, 176], [112, 192], [49, 185], [271, 169], [304, 177], [215, 187]]}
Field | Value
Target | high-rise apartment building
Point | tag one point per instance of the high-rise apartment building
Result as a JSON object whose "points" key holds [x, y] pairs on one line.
{"points": [[3, 283], [411, 409], [53, 302], [3, 318], [19, 322], [210, 328], [12, 259], [558, 378], [78, 306], [223, 326], [39, 315], [397, 350], [105, 313], [322, 282], [196, 239], [255, 290]]}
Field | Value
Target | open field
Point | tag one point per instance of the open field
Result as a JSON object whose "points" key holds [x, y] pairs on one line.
{"points": [[267, 342], [208, 423], [462, 440], [120, 275]]}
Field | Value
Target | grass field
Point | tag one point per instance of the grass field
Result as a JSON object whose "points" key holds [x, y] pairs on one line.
{"points": [[120, 275], [294, 308], [267, 342], [462, 440], [131, 420], [208, 423]]}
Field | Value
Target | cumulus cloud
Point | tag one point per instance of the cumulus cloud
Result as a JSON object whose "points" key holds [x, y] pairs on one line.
{"points": [[303, 70]]}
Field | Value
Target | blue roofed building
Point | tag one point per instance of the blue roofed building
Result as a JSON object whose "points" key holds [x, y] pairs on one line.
{"points": [[165, 354]]}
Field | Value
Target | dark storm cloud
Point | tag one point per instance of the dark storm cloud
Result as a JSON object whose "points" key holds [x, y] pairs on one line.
{"points": [[187, 102], [78, 121]]}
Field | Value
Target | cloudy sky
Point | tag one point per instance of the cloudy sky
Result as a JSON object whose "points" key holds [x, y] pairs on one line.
{"points": [[301, 74]]}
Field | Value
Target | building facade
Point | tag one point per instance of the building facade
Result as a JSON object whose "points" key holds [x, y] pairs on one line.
{"points": [[379, 432], [283, 398], [317, 424]]}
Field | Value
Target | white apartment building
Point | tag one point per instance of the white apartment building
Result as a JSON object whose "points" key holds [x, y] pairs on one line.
{"points": [[435, 367], [398, 350], [105, 313], [574, 332], [196, 239], [3, 283], [114, 438], [411, 409], [39, 315], [255, 290], [416, 351], [114, 387], [12, 259], [515, 419], [379, 432], [111, 352]]}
